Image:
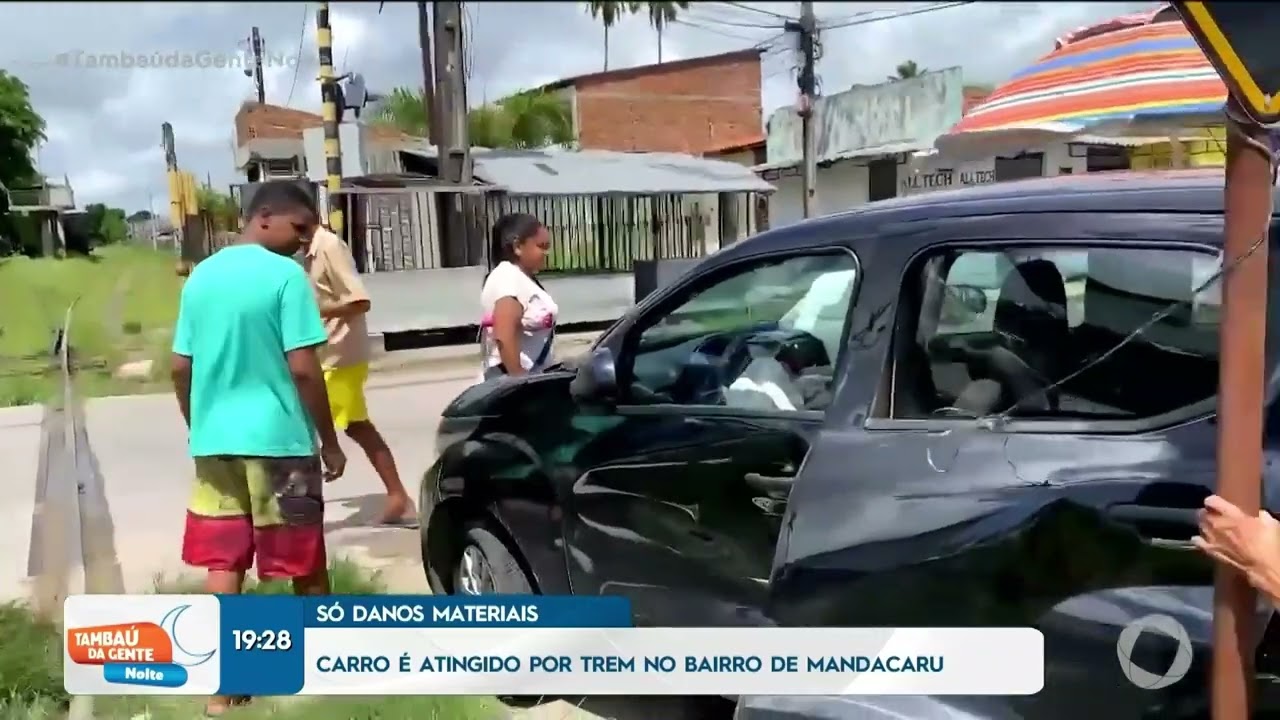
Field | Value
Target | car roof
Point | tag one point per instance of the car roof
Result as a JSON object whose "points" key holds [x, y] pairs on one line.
{"points": [[1198, 190]]}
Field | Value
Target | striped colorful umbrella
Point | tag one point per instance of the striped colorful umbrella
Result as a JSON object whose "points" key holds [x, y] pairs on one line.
{"points": [[1133, 79]]}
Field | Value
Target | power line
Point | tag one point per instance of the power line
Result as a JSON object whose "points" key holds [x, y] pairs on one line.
{"points": [[762, 11], [894, 16], [468, 38], [714, 31], [297, 59], [732, 23]]}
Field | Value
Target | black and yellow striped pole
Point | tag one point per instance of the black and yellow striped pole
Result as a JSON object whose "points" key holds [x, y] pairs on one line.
{"points": [[329, 111]]}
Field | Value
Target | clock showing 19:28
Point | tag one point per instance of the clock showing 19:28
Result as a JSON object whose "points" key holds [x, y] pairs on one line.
{"points": [[265, 640]]}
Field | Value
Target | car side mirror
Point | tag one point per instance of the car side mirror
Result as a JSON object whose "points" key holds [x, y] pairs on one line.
{"points": [[597, 378], [963, 303], [972, 298]]}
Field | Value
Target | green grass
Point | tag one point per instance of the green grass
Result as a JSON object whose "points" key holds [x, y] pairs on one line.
{"points": [[30, 661], [31, 673], [128, 299]]}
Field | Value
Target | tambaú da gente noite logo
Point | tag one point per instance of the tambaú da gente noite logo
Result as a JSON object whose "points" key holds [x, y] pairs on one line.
{"points": [[137, 653]]}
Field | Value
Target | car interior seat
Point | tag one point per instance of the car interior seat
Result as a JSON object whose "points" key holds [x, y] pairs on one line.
{"points": [[1031, 320]]}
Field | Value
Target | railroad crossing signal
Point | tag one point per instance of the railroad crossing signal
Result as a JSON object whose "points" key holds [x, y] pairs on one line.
{"points": [[1239, 40]]}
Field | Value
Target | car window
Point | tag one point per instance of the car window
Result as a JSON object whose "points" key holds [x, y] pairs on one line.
{"points": [[985, 272], [1034, 331], [765, 337]]}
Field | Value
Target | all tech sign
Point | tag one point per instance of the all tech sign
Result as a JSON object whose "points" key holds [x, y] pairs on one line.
{"points": [[141, 644]]}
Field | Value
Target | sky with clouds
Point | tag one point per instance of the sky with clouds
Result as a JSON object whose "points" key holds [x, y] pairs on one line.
{"points": [[104, 122]]}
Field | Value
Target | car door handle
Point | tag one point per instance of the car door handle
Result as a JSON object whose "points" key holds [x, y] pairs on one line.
{"points": [[1169, 527]]}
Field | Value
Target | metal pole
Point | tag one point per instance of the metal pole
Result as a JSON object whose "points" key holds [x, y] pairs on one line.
{"points": [[256, 42], [1240, 396], [428, 75], [329, 111], [808, 89], [151, 208]]}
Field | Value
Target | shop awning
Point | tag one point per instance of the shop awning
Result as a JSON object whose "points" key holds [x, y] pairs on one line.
{"points": [[1136, 75]]}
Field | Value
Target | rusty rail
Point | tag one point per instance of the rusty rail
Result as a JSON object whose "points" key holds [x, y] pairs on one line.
{"points": [[71, 528]]}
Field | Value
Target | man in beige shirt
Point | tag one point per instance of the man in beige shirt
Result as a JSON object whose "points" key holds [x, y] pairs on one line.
{"points": [[343, 305]]}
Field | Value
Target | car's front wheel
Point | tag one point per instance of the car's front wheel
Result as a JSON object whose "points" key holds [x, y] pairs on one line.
{"points": [[487, 566]]}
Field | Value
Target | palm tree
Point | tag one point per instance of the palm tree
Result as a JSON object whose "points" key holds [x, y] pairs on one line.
{"points": [[609, 13], [661, 14], [526, 120], [907, 70]]}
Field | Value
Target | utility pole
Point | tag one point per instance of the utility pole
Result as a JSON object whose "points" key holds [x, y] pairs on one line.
{"points": [[451, 92], [255, 42], [329, 111], [428, 75], [1241, 389], [455, 146], [807, 30]]}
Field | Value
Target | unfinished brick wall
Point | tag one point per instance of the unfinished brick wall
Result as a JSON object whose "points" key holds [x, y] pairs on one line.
{"points": [[691, 106], [255, 121]]}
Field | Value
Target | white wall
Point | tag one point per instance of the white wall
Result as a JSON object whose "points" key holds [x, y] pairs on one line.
{"points": [[844, 185], [935, 172], [840, 187]]}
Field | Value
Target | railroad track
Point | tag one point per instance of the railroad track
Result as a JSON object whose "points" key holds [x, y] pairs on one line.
{"points": [[71, 529]]}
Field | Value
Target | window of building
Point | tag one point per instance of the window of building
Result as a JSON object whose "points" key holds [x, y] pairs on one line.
{"points": [[766, 337], [1038, 333]]}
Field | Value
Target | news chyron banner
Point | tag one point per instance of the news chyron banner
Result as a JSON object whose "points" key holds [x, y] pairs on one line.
{"points": [[509, 645]]}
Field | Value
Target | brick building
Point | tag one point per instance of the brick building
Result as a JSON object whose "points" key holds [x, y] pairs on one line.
{"points": [[691, 106], [269, 140]]}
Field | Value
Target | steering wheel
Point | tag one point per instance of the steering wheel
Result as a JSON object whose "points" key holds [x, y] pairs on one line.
{"points": [[725, 364]]}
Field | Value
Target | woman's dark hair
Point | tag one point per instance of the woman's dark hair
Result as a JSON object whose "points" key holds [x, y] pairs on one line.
{"points": [[508, 232]]}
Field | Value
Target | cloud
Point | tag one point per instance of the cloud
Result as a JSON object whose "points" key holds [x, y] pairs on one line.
{"points": [[104, 122]]}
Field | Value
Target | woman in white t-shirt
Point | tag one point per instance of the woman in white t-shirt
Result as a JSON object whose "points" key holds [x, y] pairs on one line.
{"points": [[519, 322]]}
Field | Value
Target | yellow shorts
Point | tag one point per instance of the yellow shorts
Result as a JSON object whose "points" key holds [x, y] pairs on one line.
{"points": [[346, 394]]}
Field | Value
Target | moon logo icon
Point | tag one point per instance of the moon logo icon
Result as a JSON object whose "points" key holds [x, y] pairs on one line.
{"points": [[181, 656]]}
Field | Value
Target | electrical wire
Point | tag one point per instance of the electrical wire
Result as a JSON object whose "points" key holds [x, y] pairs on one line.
{"points": [[468, 35], [762, 11], [297, 61], [894, 16], [729, 23], [713, 31]]}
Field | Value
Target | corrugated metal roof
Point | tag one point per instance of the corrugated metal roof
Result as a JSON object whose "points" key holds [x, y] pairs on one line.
{"points": [[605, 172]]}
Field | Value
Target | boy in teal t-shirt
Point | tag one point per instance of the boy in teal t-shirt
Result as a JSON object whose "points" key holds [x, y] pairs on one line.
{"points": [[252, 392]]}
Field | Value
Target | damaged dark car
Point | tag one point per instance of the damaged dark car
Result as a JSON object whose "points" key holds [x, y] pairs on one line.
{"points": [[993, 406]]}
